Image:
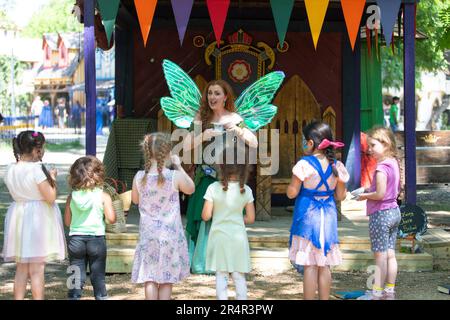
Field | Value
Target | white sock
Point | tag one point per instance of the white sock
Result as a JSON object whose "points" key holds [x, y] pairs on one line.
{"points": [[222, 285], [241, 285]]}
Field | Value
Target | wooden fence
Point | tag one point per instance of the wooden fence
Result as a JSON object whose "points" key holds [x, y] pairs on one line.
{"points": [[432, 156]]}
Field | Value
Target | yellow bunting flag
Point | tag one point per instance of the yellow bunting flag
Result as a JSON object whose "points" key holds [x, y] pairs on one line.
{"points": [[145, 10], [316, 10], [353, 12]]}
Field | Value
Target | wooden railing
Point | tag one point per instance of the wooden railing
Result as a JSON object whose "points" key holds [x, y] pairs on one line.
{"points": [[432, 156]]}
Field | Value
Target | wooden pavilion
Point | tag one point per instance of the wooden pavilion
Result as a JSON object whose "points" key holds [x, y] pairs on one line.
{"points": [[320, 84]]}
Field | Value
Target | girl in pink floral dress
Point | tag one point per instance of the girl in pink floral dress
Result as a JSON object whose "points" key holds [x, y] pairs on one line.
{"points": [[318, 179], [161, 257]]}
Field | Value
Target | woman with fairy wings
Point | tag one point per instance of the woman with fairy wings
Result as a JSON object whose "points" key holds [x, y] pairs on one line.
{"points": [[216, 108]]}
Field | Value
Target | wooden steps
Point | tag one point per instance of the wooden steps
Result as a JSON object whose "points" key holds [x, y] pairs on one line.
{"points": [[275, 260]]}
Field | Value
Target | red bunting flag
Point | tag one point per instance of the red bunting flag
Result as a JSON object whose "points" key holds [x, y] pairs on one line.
{"points": [[145, 10], [353, 12], [218, 10]]}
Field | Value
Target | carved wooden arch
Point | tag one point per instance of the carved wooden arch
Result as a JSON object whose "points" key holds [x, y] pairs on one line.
{"points": [[297, 106], [329, 117]]}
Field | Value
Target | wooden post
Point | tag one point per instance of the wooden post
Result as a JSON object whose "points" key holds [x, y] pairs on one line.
{"points": [[89, 76], [409, 101]]}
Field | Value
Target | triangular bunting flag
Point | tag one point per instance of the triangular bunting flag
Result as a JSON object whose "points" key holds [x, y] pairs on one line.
{"points": [[281, 10], [353, 12], [218, 10], [182, 11], [108, 12], [388, 11], [145, 10], [316, 10]]}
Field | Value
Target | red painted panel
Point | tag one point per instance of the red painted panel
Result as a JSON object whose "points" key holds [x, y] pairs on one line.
{"points": [[321, 70]]}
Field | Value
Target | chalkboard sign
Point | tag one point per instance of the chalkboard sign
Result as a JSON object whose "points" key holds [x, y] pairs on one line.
{"points": [[414, 220]]}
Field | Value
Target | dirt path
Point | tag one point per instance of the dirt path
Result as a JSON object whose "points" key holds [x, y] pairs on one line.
{"points": [[267, 286]]}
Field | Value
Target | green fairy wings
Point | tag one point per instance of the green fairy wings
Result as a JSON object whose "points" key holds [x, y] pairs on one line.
{"points": [[253, 105]]}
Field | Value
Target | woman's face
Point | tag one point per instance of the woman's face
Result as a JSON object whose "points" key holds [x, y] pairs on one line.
{"points": [[216, 97]]}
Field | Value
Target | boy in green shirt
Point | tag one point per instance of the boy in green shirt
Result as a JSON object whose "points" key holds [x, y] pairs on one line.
{"points": [[393, 114]]}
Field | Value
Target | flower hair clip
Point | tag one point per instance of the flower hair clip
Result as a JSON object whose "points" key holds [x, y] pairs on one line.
{"points": [[35, 134]]}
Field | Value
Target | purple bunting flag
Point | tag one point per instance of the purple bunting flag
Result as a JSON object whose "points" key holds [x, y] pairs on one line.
{"points": [[389, 11], [182, 11]]}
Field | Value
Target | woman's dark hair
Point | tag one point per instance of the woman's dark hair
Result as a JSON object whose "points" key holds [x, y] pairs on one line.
{"points": [[25, 143], [86, 173], [317, 131], [234, 164]]}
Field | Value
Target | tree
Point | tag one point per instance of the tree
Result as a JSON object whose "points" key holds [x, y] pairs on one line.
{"points": [[429, 52], [5, 82], [54, 17]]}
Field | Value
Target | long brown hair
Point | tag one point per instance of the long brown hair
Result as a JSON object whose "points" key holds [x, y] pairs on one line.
{"points": [[156, 146], [205, 111], [25, 143], [234, 167], [86, 173]]}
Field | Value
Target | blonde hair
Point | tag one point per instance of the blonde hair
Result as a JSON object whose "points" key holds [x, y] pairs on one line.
{"points": [[386, 137], [156, 146]]}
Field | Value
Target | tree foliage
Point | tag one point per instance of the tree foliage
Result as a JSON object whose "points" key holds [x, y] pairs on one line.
{"points": [[54, 17], [429, 52], [5, 81]]}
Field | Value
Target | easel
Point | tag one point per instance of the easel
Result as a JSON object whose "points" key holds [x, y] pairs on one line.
{"points": [[412, 238]]}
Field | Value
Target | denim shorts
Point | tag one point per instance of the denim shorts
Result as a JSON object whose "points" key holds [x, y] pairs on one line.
{"points": [[383, 229]]}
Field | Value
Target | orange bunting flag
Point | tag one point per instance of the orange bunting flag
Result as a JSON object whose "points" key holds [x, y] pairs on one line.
{"points": [[353, 12], [316, 10], [145, 10]]}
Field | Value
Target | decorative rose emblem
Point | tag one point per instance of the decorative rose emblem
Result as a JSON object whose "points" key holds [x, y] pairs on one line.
{"points": [[239, 71]]}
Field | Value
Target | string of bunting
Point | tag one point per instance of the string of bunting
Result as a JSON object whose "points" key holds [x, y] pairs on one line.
{"points": [[353, 11]]}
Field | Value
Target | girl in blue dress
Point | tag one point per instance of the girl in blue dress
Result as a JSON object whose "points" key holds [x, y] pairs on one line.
{"points": [[318, 180]]}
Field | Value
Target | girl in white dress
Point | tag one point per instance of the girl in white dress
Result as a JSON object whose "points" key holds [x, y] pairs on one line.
{"points": [[34, 231]]}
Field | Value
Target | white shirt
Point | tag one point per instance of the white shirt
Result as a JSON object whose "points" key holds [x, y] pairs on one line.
{"points": [[22, 179]]}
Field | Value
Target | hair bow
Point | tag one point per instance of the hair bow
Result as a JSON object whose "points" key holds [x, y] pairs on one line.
{"points": [[327, 143], [34, 134]]}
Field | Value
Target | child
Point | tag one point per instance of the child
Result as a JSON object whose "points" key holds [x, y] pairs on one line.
{"points": [[34, 233], [228, 249], [86, 209], [318, 179], [161, 257], [384, 214]]}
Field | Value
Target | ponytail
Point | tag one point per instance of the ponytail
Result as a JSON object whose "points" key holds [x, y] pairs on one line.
{"points": [[329, 153]]}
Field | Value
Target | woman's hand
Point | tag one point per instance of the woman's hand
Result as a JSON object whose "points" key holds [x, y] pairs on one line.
{"points": [[208, 134], [231, 127]]}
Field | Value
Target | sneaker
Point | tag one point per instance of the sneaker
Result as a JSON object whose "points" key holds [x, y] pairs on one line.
{"points": [[388, 295], [369, 296]]}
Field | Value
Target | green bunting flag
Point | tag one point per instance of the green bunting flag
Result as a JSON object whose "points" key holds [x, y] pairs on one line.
{"points": [[281, 10], [108, 11]]}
